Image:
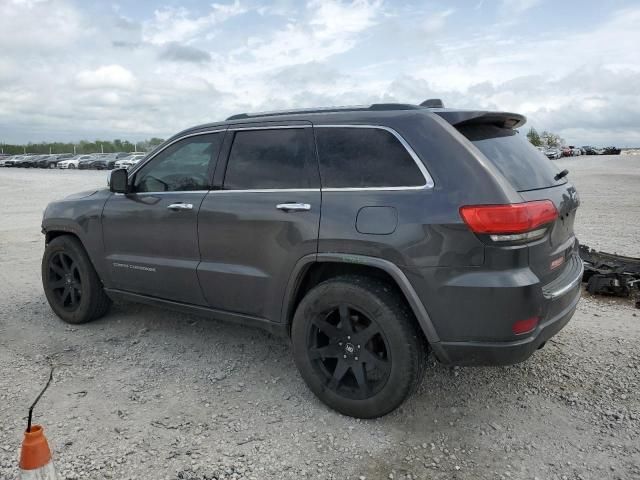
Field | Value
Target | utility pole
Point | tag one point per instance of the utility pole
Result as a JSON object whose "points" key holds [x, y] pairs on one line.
{"points": [[102, 147], [74, 149]]}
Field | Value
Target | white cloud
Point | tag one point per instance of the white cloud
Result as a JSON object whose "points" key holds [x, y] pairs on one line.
{"points": [[108, 76], [35, 27], [176, 24]]}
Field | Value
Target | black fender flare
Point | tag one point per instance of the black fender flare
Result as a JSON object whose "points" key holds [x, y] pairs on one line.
{"points": [[390, 268]]}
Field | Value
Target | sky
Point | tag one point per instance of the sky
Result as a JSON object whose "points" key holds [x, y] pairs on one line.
{"points": [[72, 70]]}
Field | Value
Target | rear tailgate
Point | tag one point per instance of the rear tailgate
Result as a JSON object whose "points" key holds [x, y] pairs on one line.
{"points": [[533, 175]]}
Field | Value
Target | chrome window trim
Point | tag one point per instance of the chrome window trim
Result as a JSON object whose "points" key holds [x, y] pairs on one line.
{"points": [[425, 173], [142, 163], [423, 170], [272, 127], [267, 190], [165, 193]]}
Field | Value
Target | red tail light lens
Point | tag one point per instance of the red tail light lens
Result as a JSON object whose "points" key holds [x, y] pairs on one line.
{"points": [[525, 326], [511, 218]]}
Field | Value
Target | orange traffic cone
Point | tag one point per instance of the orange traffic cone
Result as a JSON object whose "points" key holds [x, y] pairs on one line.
{"points": [[35, 456]]}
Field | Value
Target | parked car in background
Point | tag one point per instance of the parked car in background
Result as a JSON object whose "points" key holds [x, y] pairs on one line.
{"points": [[7, 161], [27, 161], [129, 161], [11, 161], [575, 151], [85, 162], [51, 161], [611, 151], [73, 162], [105, 160], [553, 153]]}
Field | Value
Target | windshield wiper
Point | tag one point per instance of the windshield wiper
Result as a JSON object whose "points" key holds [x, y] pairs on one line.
{"points": [[561, 174]]}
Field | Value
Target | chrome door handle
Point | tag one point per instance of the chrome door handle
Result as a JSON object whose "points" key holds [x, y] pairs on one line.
{"points": [[293, 207], [180, 206]]}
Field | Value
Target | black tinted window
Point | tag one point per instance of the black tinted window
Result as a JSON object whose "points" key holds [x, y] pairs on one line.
{"points": [[364, 157], [266, 159], [181, 167], [520, 162]]}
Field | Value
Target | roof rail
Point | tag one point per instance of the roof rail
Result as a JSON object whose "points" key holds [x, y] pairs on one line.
{"points": [[354, 108]]}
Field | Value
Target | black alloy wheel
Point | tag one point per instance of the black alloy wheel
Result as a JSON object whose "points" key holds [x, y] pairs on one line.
{"points": [[350, 351], [65, 280], [358, 345]]}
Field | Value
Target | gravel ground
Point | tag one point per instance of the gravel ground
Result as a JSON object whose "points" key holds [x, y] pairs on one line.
{"points": [[150, 394]]}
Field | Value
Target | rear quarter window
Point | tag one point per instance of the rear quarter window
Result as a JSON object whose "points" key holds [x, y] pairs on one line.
{"points": [[521, 163], [364, 158]]}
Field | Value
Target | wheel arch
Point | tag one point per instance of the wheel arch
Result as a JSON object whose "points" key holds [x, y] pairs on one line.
{"points": [[51, 234], [313, 269]]}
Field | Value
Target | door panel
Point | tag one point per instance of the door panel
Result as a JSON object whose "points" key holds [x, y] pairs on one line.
{"points": [[151, 235], [249, 240], [249, 247], [151, 249]]}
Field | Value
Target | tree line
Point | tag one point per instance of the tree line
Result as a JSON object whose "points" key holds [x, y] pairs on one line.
{"points": [[544, 139], [83, 146]]}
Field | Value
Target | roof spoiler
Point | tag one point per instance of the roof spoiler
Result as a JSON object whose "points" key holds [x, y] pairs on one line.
{"points": [[474, 117]]}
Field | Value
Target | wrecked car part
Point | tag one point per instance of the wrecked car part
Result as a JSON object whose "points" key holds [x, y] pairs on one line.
{"points": [[609, 274]]}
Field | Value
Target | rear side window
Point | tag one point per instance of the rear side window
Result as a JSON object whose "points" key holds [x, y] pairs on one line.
{"points": [[269, 159], [521, 163], [364, 157]]}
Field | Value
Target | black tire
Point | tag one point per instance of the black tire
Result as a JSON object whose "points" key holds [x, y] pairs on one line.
{"points": [[72, 166], [390, 350], [52, 165], [70, 282]]}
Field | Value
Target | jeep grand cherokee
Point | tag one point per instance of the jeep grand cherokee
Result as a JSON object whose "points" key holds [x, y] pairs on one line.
{"points": [[369, 235]]}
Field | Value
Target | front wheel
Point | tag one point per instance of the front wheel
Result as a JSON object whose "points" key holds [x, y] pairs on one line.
{"points": [[358, 346], [70, 282], [71, 165]]}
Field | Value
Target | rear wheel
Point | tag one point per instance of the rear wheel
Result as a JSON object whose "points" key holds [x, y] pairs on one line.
{"points": [[71, 284], [358, 346]]}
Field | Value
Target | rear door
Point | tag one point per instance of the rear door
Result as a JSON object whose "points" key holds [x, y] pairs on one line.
{"points": [[534, 176], [262, 218], [151, 234]]}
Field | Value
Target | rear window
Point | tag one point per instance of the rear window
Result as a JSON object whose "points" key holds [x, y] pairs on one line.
{"points": [[511, 153]]}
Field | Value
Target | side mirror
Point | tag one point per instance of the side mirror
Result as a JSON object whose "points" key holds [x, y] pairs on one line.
{"points": [[119, 181]]}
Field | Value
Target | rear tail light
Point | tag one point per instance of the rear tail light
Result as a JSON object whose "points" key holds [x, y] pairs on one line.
{"points": [[525, 326], [511, 222]]}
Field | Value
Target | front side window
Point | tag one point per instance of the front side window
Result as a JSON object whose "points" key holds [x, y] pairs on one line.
{"points": [[364, 158], [269, 159], [184, 166]]}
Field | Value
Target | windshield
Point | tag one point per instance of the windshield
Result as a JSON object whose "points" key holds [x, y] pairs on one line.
{"points": [[520, 162]]}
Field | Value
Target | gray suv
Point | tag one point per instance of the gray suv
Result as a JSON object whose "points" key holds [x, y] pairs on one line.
{"points": [[368, 235]]}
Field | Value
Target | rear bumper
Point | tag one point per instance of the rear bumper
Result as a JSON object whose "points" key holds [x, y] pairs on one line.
{"points": [[477, 331], [507, 353]]}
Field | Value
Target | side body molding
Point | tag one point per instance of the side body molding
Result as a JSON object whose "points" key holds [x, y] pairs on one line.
{"points": [[398, 275]]}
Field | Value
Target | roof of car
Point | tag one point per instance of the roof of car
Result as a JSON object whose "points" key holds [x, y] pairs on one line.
{"points": [[359, 113]]}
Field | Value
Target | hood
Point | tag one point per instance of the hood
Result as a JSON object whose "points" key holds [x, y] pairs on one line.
{"points": [[75, 196]]}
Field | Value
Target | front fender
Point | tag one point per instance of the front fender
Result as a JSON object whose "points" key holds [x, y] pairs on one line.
{"points": [[80, 215]]}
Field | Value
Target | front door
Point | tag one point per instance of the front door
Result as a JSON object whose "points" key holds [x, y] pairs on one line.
{"points": [[151, 234], [262, 220]]}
